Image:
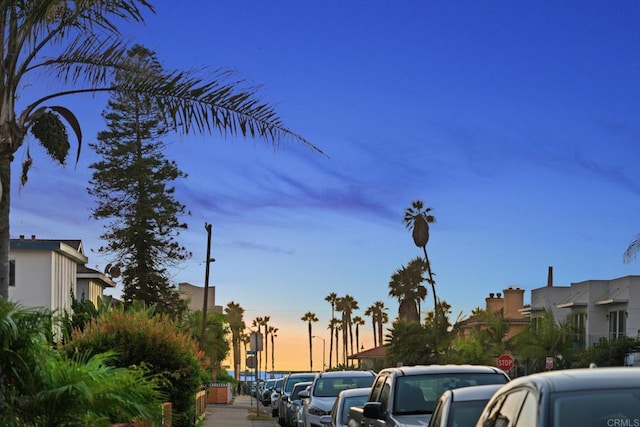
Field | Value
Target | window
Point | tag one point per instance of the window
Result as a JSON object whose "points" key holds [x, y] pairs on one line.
{"points": [[617, 324], [12, 272]]}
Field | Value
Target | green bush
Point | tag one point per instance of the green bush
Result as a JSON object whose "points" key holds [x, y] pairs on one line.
{"points": [[154, 343]]}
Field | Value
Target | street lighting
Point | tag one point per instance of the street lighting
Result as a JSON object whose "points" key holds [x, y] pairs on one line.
{"points": [[205, 304], [323, 348]]}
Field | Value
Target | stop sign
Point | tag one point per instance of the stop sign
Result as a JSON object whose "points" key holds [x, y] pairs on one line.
{"points": [[505, 362]]}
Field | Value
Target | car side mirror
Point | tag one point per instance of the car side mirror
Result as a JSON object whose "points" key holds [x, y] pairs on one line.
{"points": [[304, 394], [325, 419], [372, 410]]}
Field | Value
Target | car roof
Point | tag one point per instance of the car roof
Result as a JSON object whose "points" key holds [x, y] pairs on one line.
{"points": [[331, 374], [362, 391], [581, 379], [476, 392], [443, 369]]}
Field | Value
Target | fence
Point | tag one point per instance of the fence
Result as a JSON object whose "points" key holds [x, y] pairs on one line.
{"points": [[219, 393]]}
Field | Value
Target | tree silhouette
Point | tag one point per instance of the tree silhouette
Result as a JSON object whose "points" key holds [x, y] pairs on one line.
{"points": [[310, 317]]}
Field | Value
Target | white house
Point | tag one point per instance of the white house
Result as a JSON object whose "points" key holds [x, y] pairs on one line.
{"points": [[45, 272], [600, 309]]}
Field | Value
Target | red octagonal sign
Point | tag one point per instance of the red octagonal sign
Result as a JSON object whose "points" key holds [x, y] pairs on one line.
{"points": [[505, 362]]}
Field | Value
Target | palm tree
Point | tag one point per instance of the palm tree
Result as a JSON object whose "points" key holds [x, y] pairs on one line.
{"points": [[406, 286], [273, 331], [417, 219], [334, 326], [370, 312], [358, 321], [265, 323], [383, 319], [632, 250], [310, 317], [235, 315], [79, 46], [331, 299], [346, 305]]}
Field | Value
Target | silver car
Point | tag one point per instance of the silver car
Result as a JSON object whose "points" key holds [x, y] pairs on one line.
{"points": [[462, 406], [346, 399], [325, 390], [571, 397]]}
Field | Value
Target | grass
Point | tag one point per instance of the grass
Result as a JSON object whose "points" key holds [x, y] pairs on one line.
{"points": [[260, 415]]}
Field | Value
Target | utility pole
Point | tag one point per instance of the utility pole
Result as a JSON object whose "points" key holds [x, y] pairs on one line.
{"points": [[205, 304]]}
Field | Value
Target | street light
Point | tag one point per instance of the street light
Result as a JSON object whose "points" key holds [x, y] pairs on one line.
{"points": [[205, 304], [323, 348]]}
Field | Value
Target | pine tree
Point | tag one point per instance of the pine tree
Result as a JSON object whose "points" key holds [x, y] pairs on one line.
{"points": [[133, 193]]}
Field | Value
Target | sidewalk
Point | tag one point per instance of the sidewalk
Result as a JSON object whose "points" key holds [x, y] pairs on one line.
{"points": [[236, 414]]}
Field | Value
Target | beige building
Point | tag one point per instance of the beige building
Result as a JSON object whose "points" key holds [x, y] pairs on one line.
{"points": [[509, 306], [195, 296]]}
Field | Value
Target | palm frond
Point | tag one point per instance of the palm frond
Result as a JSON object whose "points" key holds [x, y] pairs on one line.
{"points": [[631, 252]]}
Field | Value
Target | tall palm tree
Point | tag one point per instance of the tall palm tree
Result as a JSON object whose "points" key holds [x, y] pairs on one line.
{"points": [[406, 286], [235, 315], [358, 321], [334, 327], [346, 305], [310, 317], [273, 333], [417, 219], [378, 316], [383, 319], [265, 323], [78, 45], [331, 299]]}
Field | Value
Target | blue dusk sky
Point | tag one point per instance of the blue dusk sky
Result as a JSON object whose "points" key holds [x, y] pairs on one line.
{"points": [[517, 122]]}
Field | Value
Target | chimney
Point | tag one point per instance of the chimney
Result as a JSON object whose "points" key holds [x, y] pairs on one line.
{"points": [[550, 277], [33, 237], [513, 301], [22, 237]]}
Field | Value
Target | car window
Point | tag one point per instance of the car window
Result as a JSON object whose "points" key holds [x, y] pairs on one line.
{"points": [[348, 403], [418, 394], [332, 386], [377, 387], [384, 395], [507, 413], [529, 413], [611, 407]]}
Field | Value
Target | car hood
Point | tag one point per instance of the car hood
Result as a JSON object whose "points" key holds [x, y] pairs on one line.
{"points": [[421, 420]]}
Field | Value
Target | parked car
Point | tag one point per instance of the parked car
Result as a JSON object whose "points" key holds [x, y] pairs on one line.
{"points": [[570, 397], [287, 385], [406, 396], [325, 389], [267, 388], [295, 402], [340, 411], [462, 406]]}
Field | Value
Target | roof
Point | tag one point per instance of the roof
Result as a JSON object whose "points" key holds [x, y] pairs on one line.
{"points": [[84, 272], [444, 369], [69, 248], [581, 379], [341, 374], [476, 392], [372, 353]]}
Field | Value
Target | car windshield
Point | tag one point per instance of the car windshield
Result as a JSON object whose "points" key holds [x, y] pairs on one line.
{"points": [[619, 407], [295, 380], [332, 386], [418, 394]]}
